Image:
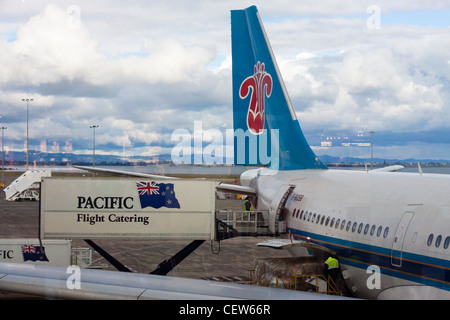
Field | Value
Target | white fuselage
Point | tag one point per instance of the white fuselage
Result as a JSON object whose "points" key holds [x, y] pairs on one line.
{"points": [[394, 223]]}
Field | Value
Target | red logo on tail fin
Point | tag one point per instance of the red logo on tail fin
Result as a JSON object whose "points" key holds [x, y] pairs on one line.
{"points": [[261, 84]]}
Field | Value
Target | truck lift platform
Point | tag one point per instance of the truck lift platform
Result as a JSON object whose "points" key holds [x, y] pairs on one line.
{"points": [[239, 223], [145, 208]]}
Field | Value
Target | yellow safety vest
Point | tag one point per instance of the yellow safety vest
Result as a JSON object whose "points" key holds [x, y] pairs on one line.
{"points": [[332, 263], [245, 207]]}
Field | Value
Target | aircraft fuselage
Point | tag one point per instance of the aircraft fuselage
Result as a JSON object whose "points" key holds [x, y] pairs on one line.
{"points": [[390, 230]]}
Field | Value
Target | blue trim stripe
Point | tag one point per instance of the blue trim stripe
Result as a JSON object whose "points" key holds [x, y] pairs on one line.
{"points": [[414, 267]]}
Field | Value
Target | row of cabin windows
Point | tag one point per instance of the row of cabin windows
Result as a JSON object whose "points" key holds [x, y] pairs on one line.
{"points": [[438, 241], [309, 216]]}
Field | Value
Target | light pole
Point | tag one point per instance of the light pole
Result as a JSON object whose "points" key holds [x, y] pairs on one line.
{"points": [[371, 149], [27, 100], [3, 155], [93, 149]]}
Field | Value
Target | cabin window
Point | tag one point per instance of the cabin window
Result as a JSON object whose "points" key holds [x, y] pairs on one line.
{"points": [[361, 225], [326, 222], [318, 218], [380, 228], [348, 226], [354, 226], [414, 237], [386, 232], [332, 222], [293, 212], [430, 239], [309, 216], [446, 242], [323, 218], [372, 230], [301, 214], [337, 223], [313, 218], [366, 229], [343, 224], [438, 241]]}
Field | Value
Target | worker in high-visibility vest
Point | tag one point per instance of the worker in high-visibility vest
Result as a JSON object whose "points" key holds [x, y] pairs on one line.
{"points": [[331, 268], [248, 206]]}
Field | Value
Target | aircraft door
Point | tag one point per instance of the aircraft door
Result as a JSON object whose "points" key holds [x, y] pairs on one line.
{"points": [[277, 206], [399, 238]]}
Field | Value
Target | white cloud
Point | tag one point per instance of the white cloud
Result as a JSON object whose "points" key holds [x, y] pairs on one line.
{"points": [[48, 50], [392, 83], [143, 69]]}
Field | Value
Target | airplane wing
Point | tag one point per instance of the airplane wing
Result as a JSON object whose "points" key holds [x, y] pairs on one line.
{"points": [[75, 283], [393, 168], [124, 173]]}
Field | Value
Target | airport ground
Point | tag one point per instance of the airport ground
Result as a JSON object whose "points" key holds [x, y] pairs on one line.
{"points": [[229, 258]]}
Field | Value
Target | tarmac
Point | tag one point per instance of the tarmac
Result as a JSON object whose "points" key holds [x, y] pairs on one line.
{"points": [[230, 258]]}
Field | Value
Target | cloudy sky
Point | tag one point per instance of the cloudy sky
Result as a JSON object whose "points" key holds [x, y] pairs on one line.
{"points": [[142, 69]]}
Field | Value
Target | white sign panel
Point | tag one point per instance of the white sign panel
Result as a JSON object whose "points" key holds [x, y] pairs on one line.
{"points": [[27, 250], [109, 207]]}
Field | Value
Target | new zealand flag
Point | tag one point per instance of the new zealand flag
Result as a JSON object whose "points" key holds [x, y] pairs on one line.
{"points": [[33, 253], [157, 195]]}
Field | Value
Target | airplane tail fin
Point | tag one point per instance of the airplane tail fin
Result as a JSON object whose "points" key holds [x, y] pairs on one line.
{"points": [[262, 111]]}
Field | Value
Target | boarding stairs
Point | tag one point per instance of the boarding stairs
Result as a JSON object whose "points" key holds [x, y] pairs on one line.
{"points": [[26, 186]]}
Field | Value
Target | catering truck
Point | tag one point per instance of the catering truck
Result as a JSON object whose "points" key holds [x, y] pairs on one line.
{"points": [[32, 250]]}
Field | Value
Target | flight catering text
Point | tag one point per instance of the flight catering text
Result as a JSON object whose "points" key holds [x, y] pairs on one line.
{"points": [[107, 203]]}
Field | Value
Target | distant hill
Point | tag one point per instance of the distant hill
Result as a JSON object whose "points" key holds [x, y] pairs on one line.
{"points": [[45, 158], [379, 161], [79, 159]]}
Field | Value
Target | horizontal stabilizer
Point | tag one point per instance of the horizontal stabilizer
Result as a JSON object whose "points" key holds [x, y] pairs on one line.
{"points": [[232, 188], [123, 173]]}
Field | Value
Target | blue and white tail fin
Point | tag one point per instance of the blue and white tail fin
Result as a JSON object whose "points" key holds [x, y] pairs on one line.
{"points": [[266, 128]]}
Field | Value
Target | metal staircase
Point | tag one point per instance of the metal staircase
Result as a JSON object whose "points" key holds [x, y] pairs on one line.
{"points": [[26, 186]]}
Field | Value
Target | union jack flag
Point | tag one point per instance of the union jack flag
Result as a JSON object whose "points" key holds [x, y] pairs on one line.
{"points": [[157, 195], [147, 188], [33, 253], [28, 249]]}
